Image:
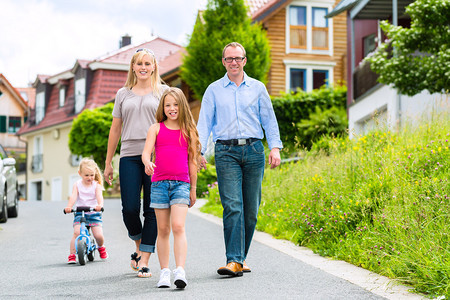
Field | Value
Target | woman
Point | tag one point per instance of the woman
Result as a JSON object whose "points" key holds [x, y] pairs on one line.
{"points": [[134, 111]]}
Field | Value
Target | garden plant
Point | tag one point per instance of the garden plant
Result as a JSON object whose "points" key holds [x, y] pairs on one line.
{"points": [[379, 201]]}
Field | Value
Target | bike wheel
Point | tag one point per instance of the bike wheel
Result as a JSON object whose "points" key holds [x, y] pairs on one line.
{"points": [[81, 252], [91, 254]]}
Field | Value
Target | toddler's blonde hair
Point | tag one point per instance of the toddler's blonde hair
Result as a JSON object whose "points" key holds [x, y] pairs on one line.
{"points": [[90, 164]]}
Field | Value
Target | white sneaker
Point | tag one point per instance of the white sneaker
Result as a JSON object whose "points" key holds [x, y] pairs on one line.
{"points": [[180, 278], [164, 278]]}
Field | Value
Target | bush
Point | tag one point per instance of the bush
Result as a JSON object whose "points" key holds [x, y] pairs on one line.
{"points": [[205, 178], [292, 108], [328, 122]]}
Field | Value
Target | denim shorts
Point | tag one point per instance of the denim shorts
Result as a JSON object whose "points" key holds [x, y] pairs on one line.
{"points": [[92, 219], [166, 193]]}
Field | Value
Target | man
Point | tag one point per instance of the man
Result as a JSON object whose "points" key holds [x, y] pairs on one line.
{"points": [[235, 109]]}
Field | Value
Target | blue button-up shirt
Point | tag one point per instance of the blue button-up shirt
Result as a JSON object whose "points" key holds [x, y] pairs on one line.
{"points": [[235, 112]]}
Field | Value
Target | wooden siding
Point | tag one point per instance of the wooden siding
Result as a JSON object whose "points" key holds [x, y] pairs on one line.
{"points": [[276, 32]]}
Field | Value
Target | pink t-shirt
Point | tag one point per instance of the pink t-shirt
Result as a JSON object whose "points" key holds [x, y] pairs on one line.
{"points": [[171, 155], [86, 194]]}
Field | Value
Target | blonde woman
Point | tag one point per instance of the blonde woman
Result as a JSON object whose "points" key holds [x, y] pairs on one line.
{"points": [[133, 114]]}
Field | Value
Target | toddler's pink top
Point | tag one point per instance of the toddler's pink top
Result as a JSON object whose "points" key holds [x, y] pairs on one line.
{"points": [[171, 155], [86, 194]]}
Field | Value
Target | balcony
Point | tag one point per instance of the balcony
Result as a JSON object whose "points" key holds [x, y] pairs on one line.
{"points": [[37, 163], [363, 80]]}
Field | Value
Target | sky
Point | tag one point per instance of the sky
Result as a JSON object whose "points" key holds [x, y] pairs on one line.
{"points": [[48, 36]]}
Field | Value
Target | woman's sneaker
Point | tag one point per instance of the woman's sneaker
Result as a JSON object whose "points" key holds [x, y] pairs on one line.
{"points": [[72, 259], [164, 278], [180, 278], [103, 253]]}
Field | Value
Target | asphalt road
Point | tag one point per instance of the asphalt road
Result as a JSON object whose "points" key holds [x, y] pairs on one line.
{"points": [[34, 249]]}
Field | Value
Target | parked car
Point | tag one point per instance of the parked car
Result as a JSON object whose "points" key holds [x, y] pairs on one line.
{"points": [[9, 196]]}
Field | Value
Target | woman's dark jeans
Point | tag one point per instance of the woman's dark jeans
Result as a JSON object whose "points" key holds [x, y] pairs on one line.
{"points": [[132, 180]]}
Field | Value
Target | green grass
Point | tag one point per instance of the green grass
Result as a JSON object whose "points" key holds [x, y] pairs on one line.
{"points": [[379, 201]]}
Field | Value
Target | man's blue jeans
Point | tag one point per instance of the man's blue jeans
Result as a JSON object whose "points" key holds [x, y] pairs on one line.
{"points": [[240, 170], [132, 180]]}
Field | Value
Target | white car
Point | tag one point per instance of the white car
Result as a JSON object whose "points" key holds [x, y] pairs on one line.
{"points": [[9, 195]]}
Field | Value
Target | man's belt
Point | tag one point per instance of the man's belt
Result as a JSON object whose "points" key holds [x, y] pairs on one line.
{"points": [[237, 142]]}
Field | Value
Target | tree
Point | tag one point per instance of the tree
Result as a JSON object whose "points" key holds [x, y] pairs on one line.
{"points": [[422, 53], [89, 133], [222, 22]]}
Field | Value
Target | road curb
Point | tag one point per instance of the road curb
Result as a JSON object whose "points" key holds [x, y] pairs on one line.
{"points": [[372, 282]]}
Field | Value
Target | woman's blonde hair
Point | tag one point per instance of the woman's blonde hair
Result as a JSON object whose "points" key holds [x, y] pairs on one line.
{"points": [[90, 164], [155, 80], [185, 120]]}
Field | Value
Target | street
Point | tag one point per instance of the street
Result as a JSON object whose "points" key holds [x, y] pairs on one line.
{"points": [[34, 249]]}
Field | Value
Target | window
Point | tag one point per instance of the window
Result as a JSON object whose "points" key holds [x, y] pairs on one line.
{"points": [[40, 107], [308, 29], [308, 75], [320, 77], [62, 96], [298, 79], [80, 90], [37, 158], [369, 44], [2, 124], [319, 28], [297, 19], [14, 124]]}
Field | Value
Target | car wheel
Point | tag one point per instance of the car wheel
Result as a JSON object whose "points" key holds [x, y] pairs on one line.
{"points": [[13, 211], [4, 213]]}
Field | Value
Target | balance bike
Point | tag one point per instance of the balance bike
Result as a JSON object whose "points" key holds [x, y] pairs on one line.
{"points": [[85, 244]]}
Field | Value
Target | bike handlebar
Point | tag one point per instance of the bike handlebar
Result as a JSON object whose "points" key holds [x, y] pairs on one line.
{"points": [[83, 208]]}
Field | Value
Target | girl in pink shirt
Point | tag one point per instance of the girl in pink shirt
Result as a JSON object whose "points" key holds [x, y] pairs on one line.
{"points": [[174, 178], [87, 192]]}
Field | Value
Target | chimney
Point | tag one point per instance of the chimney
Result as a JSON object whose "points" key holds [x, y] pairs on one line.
{"points": [[126, 40]]}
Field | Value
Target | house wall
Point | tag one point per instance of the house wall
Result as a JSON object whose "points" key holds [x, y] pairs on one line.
{"points": [[276, 32], [10, 107], [55, 147], [384, 108]]}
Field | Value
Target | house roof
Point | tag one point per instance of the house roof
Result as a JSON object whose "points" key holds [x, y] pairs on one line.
{"points": [[171, 63], [340, 7], [14, 92], [30, 95], [261, 10], [109, 73], [370, 9]]}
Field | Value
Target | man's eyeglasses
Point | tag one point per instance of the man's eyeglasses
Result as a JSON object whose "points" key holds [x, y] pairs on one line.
{"points": [[146, 50], [236, 59]]}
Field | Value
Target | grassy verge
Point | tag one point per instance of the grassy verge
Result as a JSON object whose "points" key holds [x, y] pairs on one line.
{"points": [[379, 201]]}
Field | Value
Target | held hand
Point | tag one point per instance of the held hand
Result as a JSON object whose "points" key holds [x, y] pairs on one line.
{"points": [[150, 168], [274, 158], [68, 210], [203, 163], [108, 173], [192, 197], [98, 208]]}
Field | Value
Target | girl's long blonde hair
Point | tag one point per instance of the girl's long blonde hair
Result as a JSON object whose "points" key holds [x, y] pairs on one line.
{"points": [[185, 120], [90, 164], [155, 80]]}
